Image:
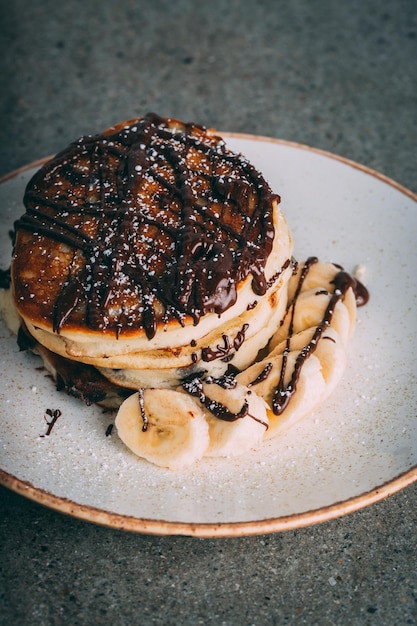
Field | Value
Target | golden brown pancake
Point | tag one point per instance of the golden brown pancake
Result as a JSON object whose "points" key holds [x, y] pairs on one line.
{"points": [[151, 247]]}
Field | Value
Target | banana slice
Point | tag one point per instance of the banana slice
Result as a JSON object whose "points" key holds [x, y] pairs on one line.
{"points": [[307, 354], [319, 275], [163, 426], [234, 437], [310, 294], [264, 379], [329, 350], [331, 353]]}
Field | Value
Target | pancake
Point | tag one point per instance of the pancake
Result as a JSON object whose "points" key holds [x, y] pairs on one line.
{"points": [[151, 251]]}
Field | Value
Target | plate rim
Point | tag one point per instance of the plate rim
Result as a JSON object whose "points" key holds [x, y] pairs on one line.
{"points": [[311, 517], [150, 526]]}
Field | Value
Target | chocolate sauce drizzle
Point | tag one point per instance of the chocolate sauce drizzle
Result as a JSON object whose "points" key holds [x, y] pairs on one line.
{"points": [[145, 421], [262, 376], [194, 386], [156, 212], [342, 282], [224, 352]]}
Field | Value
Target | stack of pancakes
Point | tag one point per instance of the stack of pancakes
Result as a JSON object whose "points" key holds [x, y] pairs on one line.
{"points": [[147, 254]]}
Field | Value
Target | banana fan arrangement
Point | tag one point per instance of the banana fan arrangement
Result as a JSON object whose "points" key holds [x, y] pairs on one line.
{"points": [[305, 360]]}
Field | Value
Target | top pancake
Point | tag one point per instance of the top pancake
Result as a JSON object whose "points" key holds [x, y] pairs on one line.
{"points": [[151, 223]]}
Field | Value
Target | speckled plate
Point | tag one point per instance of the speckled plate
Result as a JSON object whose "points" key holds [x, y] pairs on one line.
{"points": [[359, 447]]}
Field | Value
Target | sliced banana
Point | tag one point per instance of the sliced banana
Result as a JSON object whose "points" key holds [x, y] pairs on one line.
{"points": [[331, 353], [329, 350], [305, 360], [163, 426], [310, 295], [319, 276], [310, 388], [234, 437], [307, 354]]}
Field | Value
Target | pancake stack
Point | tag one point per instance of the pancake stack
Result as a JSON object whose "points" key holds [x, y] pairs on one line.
{"points": [[148, 254], [153, 273]]}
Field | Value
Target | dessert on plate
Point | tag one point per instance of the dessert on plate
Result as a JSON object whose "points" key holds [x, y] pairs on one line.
{"points": [[153, 273]]}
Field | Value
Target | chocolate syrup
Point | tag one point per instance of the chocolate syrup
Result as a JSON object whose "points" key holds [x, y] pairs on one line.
{"points": [[145, 421], [224, 352], [210, 225], [262, 376], [77, 379], [342, 282], [54, 415], [361, 293], [194, 386]]}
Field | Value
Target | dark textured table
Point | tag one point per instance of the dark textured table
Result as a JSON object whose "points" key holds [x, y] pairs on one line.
{"points": [[341, 76]]}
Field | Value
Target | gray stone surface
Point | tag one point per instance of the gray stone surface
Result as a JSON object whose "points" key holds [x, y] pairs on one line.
{"points": [[337, 75]]}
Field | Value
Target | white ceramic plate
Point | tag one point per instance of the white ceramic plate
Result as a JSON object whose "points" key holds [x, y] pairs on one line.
{"points": [[360, 447]]}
